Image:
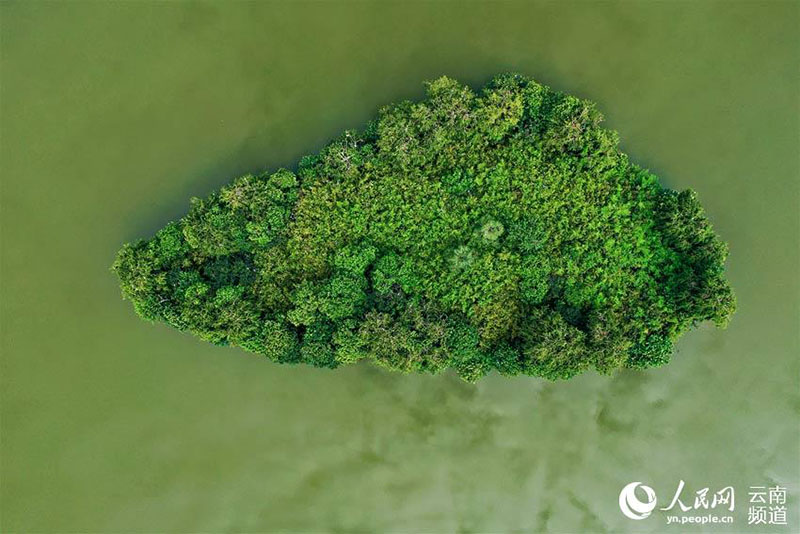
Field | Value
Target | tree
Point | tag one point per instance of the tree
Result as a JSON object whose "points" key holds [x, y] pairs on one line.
{"points": [[495, 230]]}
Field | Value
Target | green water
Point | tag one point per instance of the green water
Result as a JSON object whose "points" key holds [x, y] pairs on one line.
{"points": [[114, 114]]}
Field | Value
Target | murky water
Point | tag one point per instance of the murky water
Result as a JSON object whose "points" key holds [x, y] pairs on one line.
{"points": [[114, 114]]}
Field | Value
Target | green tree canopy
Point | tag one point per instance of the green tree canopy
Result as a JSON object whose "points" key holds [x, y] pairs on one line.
{"points": [[501, 230]]}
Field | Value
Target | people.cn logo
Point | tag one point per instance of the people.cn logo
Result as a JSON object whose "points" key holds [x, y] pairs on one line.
{"points": [[631, 506]]}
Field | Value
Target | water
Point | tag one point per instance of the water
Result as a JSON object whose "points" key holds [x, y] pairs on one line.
{"points": [[114, 114]]}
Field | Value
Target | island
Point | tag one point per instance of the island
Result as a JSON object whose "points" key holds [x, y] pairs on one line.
{"points": [[494, 230]]}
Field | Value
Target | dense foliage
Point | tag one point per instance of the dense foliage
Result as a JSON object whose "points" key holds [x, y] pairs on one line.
{"points": [[502, 230]]}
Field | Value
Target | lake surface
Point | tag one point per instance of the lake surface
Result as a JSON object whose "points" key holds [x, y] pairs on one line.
{"points": [[114, 114]]}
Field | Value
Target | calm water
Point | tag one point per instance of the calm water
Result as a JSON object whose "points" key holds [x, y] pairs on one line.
{"points": [[114, 114]]}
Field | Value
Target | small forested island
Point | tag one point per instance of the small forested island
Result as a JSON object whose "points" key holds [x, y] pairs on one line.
{"points": [[496, 230]]}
